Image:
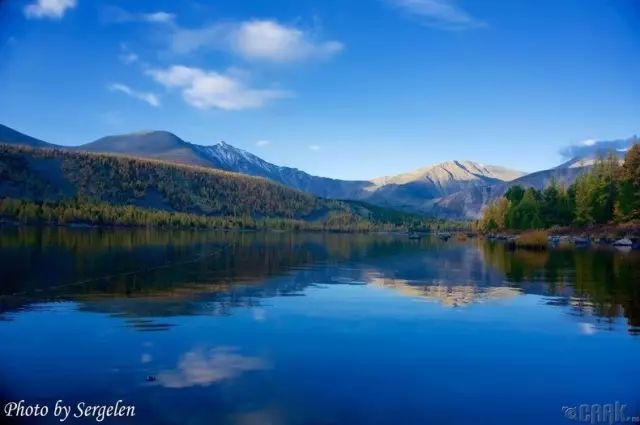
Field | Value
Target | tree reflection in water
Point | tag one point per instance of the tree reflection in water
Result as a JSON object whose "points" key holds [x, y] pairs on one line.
{"points": [[144, 275]]}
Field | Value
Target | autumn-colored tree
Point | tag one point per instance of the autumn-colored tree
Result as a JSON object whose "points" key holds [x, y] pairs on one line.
{"points": [[494, 215], [627, 206]]}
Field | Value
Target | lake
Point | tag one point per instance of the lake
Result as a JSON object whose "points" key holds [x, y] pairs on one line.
{"points": [[283, 328]]}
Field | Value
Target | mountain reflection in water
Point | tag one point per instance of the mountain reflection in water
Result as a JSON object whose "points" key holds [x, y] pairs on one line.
{"points": [[145, 275], [297, 329]]}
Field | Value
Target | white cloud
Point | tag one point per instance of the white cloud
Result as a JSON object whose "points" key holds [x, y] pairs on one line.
{"points": [[591, 148], [150, 98], [262, 143], [255, 40], [54, 9], [116, 15], [271, 41], [186, 40], [314, 148], [210, 89], [444, 14], [159, 17]]}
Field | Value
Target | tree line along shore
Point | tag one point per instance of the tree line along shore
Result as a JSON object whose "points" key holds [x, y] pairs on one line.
{"points": [[602, 204], [62, 187]]}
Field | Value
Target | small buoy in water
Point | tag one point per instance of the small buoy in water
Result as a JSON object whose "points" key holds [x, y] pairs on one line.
{"points": [[150, 378]]}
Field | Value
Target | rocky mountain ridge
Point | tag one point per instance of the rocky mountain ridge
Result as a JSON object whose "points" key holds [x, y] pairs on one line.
{"points": [[456, 189]]}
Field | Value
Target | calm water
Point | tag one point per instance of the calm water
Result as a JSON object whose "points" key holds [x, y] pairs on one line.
{"points": [[278, 328]]}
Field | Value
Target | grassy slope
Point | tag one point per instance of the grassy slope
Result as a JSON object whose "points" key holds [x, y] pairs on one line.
{"points": [[52, 174]]}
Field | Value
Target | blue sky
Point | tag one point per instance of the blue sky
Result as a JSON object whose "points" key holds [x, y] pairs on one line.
{"points": [[349, 89]]}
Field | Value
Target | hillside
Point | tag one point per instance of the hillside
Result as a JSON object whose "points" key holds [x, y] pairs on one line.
{"points": [[414, 191], [470, 202], [110, 181], [52, 174], [452, 189], [13, 137], [167, 146]]}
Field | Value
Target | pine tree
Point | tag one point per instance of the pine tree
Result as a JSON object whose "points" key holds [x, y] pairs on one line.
{"points": [[550, 203], [605, 187], [526, 215], [514, 194]]}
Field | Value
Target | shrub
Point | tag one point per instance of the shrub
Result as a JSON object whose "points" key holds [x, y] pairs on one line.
{"points": [[536, 239]]}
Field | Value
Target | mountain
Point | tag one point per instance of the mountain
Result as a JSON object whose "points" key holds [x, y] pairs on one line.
{"points": [[453, 189], [34, 174], [447, 175], [227, 157], [470, 202], [167, 146], [420, 189], [160, 145], [13, 137], [414, 191]]}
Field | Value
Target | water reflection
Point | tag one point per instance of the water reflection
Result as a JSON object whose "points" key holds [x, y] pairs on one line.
{"points": [[244, 328], [204, 367], [448, 295], [143, 276], [600, 282]]}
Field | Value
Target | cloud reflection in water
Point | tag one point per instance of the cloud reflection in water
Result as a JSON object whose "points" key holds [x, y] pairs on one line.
{"points": [[205, 367]]}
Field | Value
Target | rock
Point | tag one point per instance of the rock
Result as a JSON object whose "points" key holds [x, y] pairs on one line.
{"points": [[580, 241], [623, 242]]}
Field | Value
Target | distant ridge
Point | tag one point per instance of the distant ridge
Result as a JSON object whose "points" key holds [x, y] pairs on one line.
{"points": [[161, 145], [167, 146], [453, 189], [469, 203], [419, 190], [413, 191]]}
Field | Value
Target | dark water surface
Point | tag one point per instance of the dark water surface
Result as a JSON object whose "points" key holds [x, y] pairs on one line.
{"points": [[280, 328]]}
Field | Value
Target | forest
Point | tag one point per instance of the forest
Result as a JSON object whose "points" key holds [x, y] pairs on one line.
{"points": [[63, 187], [607, 193]]}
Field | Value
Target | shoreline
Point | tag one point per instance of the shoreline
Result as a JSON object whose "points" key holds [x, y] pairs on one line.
{"points": [[5, 223]]}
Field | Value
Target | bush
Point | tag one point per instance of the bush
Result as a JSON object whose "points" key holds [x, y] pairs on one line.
{"points": [[537, 239]]}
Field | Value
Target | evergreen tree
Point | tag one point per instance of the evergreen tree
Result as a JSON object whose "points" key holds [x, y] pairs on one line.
{"points": [[526, 215], [564, 208], [514, 194], [604, 191], [550, 203], [628, 202], [597, 196]]}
